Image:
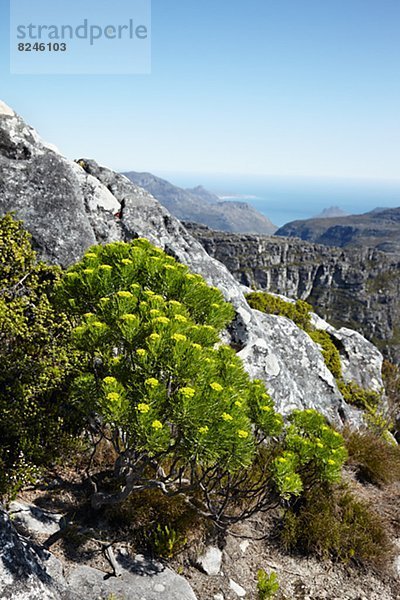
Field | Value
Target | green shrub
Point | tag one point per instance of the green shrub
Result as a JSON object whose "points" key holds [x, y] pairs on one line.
{"points": [[166, 542], [182, 414], [35, 360], [329, 351], [267, 585], [313, 454], [298, 311], [331, 523], [181, 408], [374, 459], [376, 417]]}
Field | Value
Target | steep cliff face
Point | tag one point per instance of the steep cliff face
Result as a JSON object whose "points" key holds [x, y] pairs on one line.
{"points": [[68, 207], [357, 288]]}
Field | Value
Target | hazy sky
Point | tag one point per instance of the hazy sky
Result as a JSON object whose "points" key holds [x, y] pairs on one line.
{"points": [[274, 87]]}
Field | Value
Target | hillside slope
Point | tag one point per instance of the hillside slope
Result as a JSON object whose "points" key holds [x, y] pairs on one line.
{"points": [[201, 206]]}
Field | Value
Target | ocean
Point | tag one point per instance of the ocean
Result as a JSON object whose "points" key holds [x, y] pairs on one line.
{"points": [[284, 199]]}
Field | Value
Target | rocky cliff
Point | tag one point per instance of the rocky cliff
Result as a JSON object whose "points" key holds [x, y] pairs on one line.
{"points": [[357, 288]]}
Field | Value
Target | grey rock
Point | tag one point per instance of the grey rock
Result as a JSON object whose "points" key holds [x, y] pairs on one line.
{"points": [[244, 546], [28, 572], [361, 361], [235, 587], [165, 584], [294, 383], [29, 519], [210, 561]]}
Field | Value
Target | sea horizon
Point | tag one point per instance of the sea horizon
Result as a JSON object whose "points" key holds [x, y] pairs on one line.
{"points": [[285, 199]]}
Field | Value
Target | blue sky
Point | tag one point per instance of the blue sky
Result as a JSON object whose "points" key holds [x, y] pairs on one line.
{"points": [[272, 87]]}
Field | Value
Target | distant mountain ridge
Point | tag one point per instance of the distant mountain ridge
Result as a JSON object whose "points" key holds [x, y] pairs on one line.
{"points": [[329, 213], [201, 206], [379, 228]]}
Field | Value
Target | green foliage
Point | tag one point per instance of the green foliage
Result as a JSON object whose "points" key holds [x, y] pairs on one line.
{"points": [[314, 453], [298, 311], [371, 403], [267, 585], [147, 330], [374, 459], [34, 360], [166, 542], [330, 522], [358, 396], [329, 351]]}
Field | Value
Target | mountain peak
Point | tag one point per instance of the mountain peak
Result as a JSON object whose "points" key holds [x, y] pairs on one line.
{"points": [[6, 110], [331, 212]]}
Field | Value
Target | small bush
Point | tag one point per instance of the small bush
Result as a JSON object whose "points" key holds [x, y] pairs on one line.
{"points": [[376, 417], [298, 312], [36, 359], [374, 459], [267, 585], [331, 523], [166, 541], [145, 514], [358, 396]]}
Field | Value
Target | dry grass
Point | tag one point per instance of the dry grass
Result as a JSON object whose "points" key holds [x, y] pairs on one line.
{"points": [[373, 459]]}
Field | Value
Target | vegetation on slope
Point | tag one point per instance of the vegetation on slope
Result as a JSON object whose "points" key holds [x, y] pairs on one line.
{"points": [[123, 351]]}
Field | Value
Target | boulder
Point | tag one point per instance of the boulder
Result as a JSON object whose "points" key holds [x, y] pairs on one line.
{"points": [[29, 572]]}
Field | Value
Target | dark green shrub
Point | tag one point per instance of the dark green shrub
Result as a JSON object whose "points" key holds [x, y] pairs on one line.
{"points": [[358, 396], [331, 523], [374, 459], [375, 414], [35, 360]]}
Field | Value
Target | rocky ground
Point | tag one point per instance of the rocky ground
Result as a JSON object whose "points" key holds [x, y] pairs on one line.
{"points": [[210, 569]]}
